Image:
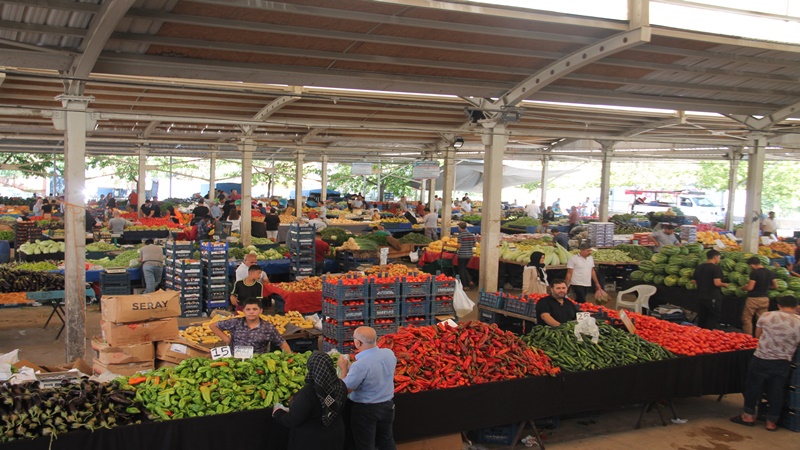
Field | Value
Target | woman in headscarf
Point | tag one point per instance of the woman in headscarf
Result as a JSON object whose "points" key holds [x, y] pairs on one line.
{"points": [[536, 282], [314, 416]]}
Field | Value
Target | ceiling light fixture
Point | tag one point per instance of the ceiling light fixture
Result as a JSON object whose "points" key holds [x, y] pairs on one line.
{"points": [[458, 143]]}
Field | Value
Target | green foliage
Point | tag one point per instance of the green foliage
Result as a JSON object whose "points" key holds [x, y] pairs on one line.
{"points": [[780, 181], [394, 179]]}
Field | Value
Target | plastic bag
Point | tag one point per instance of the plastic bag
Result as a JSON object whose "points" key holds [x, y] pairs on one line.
{"points": [[413, 256], [588, 327], [462, 304]]}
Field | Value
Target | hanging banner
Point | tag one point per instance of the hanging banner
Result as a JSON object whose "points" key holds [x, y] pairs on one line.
{"points": [[425, 170], [361, 168]]}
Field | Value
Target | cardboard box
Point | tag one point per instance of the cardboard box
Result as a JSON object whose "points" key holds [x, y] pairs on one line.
{"points": [[108, 354], [160, 364], [123, 369], [449, 442], [25, 363], [178, 350], [117, 334], [79, 364], [140, 308]]}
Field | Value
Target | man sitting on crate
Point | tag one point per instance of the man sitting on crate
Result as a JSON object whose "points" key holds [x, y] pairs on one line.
{"points": [[250, 330], [556, 308]]}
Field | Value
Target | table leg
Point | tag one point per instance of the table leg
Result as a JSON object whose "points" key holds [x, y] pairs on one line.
{"points": [[521, 430], [54, 311]]}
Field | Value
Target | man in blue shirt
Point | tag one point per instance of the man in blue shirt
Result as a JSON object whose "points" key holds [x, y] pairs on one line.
{"points": [[370, 382], [559, 237]]}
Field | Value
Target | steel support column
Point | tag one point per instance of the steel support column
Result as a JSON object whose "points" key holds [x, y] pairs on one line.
{"points": [[212, 177], [247, 146], [447, 189], [298, 188], [495, 139], [755, 181], [432, 194], [733, 176], [141, 191], [324, 190], [605, 180], [75, 123]]}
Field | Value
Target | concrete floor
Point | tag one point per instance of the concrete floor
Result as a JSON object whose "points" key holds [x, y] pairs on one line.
{"points": [[708, 427]]}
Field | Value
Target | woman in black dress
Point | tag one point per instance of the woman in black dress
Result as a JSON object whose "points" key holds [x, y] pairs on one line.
{"points": [[314, 417]]}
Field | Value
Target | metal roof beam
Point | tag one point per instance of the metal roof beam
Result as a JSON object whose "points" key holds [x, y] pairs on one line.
{"points": [[100, 29], [8, 25], [55, 4], [272, 107], [767, 121], [680, 120], [307, 137]]}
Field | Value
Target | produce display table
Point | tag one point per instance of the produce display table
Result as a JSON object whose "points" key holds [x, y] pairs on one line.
{"points": [[419, 415], [429, 257], [305, 302], [732, 306], [138, 236], [93, 276], [276, 266], [283, 229]]}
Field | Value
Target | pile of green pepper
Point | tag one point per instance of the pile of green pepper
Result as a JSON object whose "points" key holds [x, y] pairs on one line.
{"points": [[202, 387]]}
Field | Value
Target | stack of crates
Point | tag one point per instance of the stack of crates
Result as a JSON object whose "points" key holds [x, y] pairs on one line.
{"points": [[416, 307], [214, 259], [115, 283], [790, 417], [345, 307], [443, 289], [384, 303], [302, 249], [184, 275]]}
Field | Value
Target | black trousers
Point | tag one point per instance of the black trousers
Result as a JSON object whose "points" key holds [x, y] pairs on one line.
{"points": [[371, 425], [580, 292], [709, 313], [463, 271], [766, 376]]}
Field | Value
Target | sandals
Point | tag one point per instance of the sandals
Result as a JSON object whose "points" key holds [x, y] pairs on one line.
{"points": [[738, 419], [771, 426]]}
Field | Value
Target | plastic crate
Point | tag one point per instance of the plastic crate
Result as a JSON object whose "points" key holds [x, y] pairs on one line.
{"points": [[442, 307], [179, 245], [115, 279], [790, 419], [191, 304], [384, 328], [517, 306], [492, 299], [216, 304], [193, 313], [444, 287], [116, 290], [416, 321], [792, 400], [335, 330], [384, 310], [341, 291], [384, 290], [498, 435], [416, 288], [216, 270], [216, 295], [303, 345], [178, 254], [190, 297], [214, 263], [303, 271], [215, 280], [345, 312], [344, 348], [489, 317], [418, 307]]}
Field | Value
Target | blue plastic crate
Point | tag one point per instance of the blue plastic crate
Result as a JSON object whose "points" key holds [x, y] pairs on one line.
{"points": [[384, 290], [179, 245], [417, 321], [344, 348], [116, 290], [418, 308], [216, 304], [112, 279], [444, 287], [490, 317], [790, 419], [345, 312], [492, 299], [384, 310], [416, 288], [792, 400], [193, 313], [303, 345], [340, 332], [216, 296], [382, 329], [442, 307], [498, 435], [516, 305], [341, 291]]}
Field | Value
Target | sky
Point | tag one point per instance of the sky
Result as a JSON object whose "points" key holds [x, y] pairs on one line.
{"points": [[679, 14]]}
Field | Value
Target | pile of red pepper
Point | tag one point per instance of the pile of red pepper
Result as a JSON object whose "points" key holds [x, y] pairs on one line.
{"points": [[441, 356], [682, 339]]}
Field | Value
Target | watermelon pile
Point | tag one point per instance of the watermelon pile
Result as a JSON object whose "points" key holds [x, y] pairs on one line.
{"points": [[673, 266], [736, 272]]}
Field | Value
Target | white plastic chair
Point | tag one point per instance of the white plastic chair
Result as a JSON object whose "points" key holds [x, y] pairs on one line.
{"points": [[643, 293]]}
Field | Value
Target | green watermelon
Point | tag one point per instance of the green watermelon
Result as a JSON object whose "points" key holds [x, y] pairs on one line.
{"points": [[670, 250], [794, 283], [691, 261], [782, 273], [691, 285], [687, 272], [658, 279], [741, 293], [671, 280], [773, 294], [673, 269], [795, 293], [660, 258], [735, 256], [647, 266], [730, 289], [637, 275], [684, 250], [782, 285], [683, 281], [727, 265], [743, 267], [648, 277], [695, 248], [764, 260], [743, 279], [677, 259], [746, 256], [660, 269]]}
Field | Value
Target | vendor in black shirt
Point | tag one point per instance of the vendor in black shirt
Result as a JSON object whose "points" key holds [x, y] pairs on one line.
{"points": [[250, 287], [709, 279], [555, 309], [200, 211]]}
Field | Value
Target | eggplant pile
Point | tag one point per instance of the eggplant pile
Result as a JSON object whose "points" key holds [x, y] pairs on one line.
{"points": [[27, 281], [28, 412]]}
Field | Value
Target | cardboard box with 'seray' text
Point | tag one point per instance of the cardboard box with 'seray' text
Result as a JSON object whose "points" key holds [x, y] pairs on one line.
{"points": [[140, 308], [124, 354], [117, 334]]}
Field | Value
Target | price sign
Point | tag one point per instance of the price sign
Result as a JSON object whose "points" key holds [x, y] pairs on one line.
{"points": [[221, 352], [425, 170], [627, 321], [583, 315], [361, 169], [243, 352]]}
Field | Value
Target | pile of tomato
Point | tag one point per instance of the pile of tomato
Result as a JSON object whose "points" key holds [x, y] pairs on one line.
{"points": [[682, 339]]}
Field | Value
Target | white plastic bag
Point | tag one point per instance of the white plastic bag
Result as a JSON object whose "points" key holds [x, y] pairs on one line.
{"points": [[588, 327], [413, 256], [462, 304]]}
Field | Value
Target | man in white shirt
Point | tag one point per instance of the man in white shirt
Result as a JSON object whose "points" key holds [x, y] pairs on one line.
{"points": [[249, 259], [466, 206], [532, 210], [581, 274], [430, 222], [769, 227], [437, 205]]}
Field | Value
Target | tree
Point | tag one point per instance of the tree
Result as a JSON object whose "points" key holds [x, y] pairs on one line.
{"points": [[779, 186], [394, 179]]}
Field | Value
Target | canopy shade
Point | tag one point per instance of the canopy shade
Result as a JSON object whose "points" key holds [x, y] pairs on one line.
{"points": [[469, 177]]}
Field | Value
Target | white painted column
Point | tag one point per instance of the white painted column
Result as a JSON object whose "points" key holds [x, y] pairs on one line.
{"points": [[733, 176], [432, 193], [324, 189], [75, 125], [605, 181], [141, 191], [447, 190], [755, 180], [212, 178], [298, 188], [247, 146], [545, 169], [495, 140]]}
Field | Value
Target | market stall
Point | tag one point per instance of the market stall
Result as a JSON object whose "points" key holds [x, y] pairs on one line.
{"points": [[306, 302]]}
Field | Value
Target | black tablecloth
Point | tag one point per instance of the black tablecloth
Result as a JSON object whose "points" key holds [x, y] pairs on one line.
{"points": [[732, 306], [445, 411]]}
